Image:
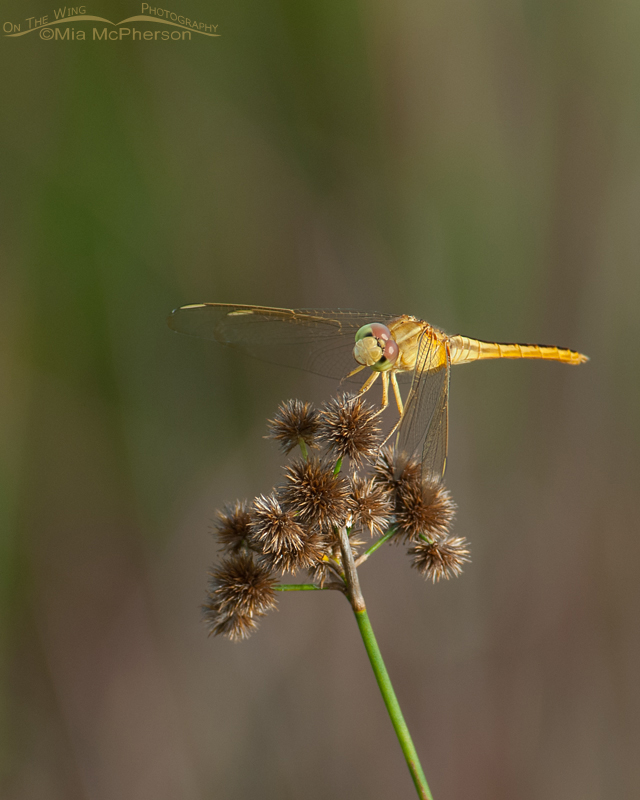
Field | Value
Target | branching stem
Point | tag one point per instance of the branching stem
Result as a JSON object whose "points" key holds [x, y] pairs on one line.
{"points": [[353, 583], [375, 546]]}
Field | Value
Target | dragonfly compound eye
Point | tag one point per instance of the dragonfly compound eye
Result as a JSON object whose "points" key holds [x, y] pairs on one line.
{"points": [[375, 347]]}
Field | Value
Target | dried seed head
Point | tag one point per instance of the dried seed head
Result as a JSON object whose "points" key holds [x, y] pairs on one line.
{"points": [[314, 547], [439, 558], [240, 589], [423, 508], [232, 526], [314, 494], [295, 422], [371, 504], [242, 585], [233, 626], [396, 472], [349, 428], [282, 540]]}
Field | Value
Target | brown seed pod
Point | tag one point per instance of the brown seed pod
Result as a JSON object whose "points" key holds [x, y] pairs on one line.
{"points": [[440, 557], [294, 422], [314, 494], [371, 504], [349, 427], [423, 508], [240, 589], [232, 526]]}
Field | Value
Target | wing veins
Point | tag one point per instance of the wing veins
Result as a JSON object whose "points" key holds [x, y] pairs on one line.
{"points": [[424, 427]]}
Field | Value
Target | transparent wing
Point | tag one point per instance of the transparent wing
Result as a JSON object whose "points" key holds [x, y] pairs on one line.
{"points": [[316, 340], [424, 427]]}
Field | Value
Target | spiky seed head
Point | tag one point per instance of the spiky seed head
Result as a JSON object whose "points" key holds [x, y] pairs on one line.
{"points": [[240, 589], [314, 547], [314, 494], [371, 504], [423, 508], [440, 557], [234, 626], [421, 505], [284, 543], [243, 585], [396, 472], [294, 422], [232, 526], [349, 428]]}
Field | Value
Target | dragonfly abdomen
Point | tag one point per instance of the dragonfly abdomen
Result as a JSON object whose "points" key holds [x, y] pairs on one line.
{"points": [[464, 350]]}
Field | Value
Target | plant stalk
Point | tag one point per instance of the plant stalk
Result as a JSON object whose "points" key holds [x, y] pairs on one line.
{"points": [[383, 540], [393, 707], [306, 587], [379, 669]]}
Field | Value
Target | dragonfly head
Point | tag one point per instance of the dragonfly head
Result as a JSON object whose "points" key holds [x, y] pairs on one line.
{"points": [[375, 347]]}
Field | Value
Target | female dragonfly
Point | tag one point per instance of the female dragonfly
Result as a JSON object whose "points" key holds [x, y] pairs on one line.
{"points": [[340, 344]]}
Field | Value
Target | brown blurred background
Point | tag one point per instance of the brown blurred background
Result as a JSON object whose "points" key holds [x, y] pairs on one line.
{"points": [[474, 164]]}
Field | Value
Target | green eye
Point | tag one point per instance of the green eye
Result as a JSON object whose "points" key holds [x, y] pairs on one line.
{"points": [[365, 330]]}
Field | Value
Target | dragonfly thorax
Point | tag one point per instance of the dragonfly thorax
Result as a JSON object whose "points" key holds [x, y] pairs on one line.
{"points": [[375, 347]]}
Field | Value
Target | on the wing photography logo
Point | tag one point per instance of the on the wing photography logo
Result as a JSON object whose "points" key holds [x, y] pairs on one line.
{"points": [[167, 25]]}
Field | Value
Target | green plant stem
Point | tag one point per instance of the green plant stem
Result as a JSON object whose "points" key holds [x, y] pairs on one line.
{"points": [[393, 707], [303, 449], [375, 546], [379, 670], [300, 587]]}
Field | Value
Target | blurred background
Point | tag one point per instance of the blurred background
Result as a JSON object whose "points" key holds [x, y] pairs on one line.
{"points": [[476, 164]]}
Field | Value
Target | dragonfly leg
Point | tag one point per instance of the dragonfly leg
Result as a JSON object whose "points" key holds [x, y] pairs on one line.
{"points": [[353, 372], [385, 392], [391, 432], [368, 383], [398, 396]]}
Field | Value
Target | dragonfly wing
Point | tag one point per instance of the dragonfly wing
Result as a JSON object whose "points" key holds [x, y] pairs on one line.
{"points": [[316, 340], [423, 430]]}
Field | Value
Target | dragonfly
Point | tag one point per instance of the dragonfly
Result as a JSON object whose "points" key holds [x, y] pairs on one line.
{"points": [[342, 344]]}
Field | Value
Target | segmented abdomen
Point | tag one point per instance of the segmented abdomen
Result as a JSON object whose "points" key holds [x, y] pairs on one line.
{"points": [[464, 350]]}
